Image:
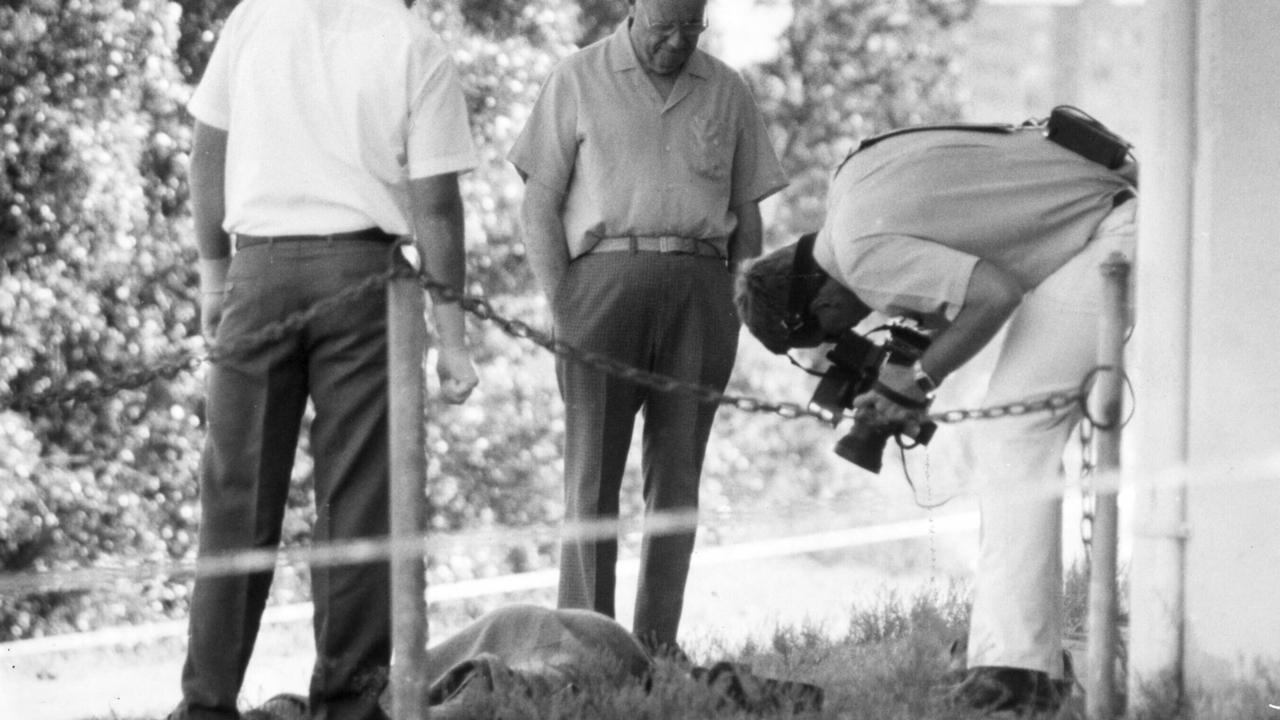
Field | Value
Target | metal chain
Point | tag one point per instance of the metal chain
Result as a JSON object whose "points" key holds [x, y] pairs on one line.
{"points": [[170, 368], [278, 330], [521, 330], [1053, 402], [88, 391], [518, 329], [483, 310], [1088, 495]]}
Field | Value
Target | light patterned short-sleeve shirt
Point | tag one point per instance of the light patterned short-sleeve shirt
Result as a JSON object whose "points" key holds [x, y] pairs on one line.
{"points": [[330, 106], [910, 216], [630, 163]]}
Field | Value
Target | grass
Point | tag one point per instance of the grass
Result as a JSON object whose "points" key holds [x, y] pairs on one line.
{"points": [[890, 663]]}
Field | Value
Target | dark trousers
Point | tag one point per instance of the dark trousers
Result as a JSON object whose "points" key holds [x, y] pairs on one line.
{"points": [[670, 314], [255, 407]]}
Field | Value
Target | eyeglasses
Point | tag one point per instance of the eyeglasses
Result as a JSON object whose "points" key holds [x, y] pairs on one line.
{"points": [[667, 29]]}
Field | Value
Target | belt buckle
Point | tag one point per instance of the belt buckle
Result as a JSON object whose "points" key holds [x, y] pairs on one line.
{"points": [[677, 244]]}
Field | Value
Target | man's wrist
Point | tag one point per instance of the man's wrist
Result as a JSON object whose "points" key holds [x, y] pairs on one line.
{"points": [[924, 380], [213, 275], [911, 402], [898, 383]]}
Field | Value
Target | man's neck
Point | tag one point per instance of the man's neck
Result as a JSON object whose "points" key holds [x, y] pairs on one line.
{"points": [[663, 83]]}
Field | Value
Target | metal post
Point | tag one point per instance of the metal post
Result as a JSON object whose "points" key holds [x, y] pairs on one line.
{"points": [[1108, 396], [406, 340]]}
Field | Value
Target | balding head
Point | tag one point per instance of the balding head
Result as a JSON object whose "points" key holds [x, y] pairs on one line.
{"points": [[665, 33]]}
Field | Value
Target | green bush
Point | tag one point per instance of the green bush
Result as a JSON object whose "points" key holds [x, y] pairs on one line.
{"points": [[97, 285]]}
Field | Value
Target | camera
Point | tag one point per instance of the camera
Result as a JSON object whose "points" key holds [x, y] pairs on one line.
{"points": [[855, 366]]}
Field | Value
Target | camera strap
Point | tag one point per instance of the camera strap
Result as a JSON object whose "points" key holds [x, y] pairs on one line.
{"points": [[803, 269], [898, 398]]}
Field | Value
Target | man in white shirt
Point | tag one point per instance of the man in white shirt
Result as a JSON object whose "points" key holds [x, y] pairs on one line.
{"points": [[324, 130], [968, 230]]}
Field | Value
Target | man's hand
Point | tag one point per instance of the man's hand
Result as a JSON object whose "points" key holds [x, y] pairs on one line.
{"points": [[213, 291], [211, 314], [881, 406], [457, 375]]}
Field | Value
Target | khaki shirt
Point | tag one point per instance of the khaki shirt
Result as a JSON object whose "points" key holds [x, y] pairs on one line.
{"points": [[909, 217], [630, 163]]}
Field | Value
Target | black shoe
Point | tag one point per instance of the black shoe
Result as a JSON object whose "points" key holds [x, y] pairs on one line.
{"points": [[997, 689], [756, 694], [1066, 687], [665, 651]]}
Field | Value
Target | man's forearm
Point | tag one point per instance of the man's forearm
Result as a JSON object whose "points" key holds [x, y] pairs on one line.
{"points": [[991, 298], [544, 238], [208, 191], [439, 235], [748, 236]]}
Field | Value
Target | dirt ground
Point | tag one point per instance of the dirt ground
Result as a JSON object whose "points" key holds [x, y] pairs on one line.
{"points": [[725, 605]]}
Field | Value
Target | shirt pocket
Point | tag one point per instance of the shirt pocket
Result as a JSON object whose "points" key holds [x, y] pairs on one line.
{"points": [[710, 147]]}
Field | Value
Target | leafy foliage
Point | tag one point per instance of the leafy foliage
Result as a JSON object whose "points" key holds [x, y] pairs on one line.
{"points": [[94, 283], [848, 69], [96, 280]]}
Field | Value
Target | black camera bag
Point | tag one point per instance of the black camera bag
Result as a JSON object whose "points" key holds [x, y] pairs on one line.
{"points": [[1077, 131]]}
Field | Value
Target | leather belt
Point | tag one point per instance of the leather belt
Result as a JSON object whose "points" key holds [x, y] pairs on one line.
{"points": [[704, 247], [243, 241]]}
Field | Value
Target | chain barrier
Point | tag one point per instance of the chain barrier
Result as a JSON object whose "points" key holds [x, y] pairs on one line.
{"points": [[1088, 493], [188, 361], [521, 330], [483, 310]]}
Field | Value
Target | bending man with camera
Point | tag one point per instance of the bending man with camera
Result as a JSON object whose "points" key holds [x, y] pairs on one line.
{"points": [[965, 230]]}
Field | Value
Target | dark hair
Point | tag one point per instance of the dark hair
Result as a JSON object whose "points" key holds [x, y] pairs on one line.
{"points": [[761, 291]]}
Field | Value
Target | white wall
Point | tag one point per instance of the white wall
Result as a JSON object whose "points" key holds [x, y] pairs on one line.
{"points": [[1205, 356], [1233, 562]]}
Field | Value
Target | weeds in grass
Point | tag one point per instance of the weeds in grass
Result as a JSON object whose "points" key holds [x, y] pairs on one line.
{"points": [[891, 664]]}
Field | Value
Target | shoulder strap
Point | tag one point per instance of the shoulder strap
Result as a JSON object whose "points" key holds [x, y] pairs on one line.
{"points": [[995, 128], [803, 267]]}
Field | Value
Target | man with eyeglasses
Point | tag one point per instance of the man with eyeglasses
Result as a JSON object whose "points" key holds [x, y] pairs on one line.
{"points": [[644, 160]]}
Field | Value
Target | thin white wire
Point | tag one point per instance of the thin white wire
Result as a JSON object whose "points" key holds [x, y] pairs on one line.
{"points": [[1232, 472], [1227, 473], [521, 582]]}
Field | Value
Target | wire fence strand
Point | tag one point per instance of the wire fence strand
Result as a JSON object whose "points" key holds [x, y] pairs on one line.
{"points": [[375, 550], [479, 307]]}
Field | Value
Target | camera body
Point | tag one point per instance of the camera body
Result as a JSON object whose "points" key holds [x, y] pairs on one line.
{"points": [[855, 366]]}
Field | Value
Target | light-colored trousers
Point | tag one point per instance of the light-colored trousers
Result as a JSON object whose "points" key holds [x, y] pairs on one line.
{"points": [[1050, 346]]}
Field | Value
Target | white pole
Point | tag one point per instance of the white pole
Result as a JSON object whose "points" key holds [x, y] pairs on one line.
{"points": [[1161, 343]]}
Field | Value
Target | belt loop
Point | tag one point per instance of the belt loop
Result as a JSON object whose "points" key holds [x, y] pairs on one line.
{"points": [[635, 244]]}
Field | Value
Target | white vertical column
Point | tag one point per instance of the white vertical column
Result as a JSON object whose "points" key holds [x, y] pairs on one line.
{"points": [[1161, 343], [1206, 348]]}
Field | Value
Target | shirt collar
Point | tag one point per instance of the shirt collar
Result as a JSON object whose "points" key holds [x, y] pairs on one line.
{"points": [[623, 55]]}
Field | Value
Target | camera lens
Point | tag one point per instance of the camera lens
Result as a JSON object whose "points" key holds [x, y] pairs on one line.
{"points": [[863, 447]]}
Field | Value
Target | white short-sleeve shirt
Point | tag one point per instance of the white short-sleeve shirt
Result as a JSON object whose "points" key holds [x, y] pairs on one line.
{"points": [[330, 107]]}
